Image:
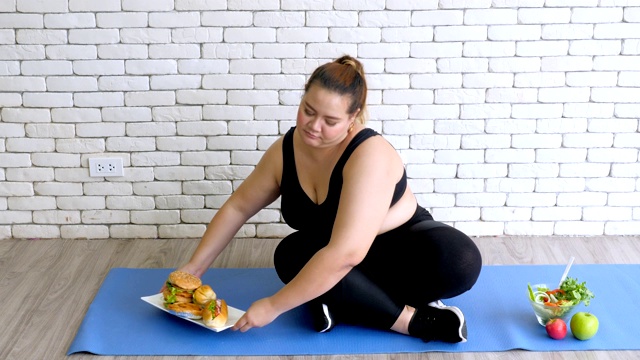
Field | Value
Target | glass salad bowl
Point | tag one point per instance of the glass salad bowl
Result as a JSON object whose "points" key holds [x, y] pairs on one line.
{"points": [[545, 312]]}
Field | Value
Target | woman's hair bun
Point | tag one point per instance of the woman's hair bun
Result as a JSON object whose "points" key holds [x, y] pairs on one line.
{"points": [[348, 60]]}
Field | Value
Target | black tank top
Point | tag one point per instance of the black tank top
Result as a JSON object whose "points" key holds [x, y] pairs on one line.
{"points": [[298, 210]]}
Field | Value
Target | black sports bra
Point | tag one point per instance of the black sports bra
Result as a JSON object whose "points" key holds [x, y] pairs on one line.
{"points": [[298, 210]]}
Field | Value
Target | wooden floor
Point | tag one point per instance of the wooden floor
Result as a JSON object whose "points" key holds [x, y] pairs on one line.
{"points": [[46, 286]]}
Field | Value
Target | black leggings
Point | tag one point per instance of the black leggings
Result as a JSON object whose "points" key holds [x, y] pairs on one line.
{"points": [[414, 264]]}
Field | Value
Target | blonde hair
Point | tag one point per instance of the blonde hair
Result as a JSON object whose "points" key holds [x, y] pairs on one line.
{"points": [[344, 76]]}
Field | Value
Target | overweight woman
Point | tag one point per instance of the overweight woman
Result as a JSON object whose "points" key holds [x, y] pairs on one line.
{"points": [[364, 251]]}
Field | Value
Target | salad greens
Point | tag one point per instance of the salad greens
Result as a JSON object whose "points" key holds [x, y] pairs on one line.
{"points": [[571, 292], [170, 296], [575, 291]]}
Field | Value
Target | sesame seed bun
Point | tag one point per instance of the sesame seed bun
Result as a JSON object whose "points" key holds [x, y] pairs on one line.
{"points": [[184, 280]]}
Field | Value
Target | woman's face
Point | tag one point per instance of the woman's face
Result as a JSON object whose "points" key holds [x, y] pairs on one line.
{"points": [[323, 120]]}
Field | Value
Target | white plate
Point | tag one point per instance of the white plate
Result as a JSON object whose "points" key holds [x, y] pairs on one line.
{"points": [[157, 300]]}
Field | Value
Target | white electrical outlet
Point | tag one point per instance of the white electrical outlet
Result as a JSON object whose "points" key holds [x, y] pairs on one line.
{"points": [[99, 167]]}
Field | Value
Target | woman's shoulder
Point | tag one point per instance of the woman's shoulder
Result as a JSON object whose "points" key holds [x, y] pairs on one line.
{"points": [[276, 146], [375, 148], [375, 165], [272, 157], [375, 140]]}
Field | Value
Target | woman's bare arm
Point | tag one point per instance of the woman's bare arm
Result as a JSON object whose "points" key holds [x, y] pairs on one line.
{"points": [[258, 190]]}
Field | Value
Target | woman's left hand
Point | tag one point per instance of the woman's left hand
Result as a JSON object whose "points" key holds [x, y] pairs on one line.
{"points": [[260, 313]]}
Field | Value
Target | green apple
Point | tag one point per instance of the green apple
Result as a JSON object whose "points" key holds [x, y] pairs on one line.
{"points": [[584, 325]]}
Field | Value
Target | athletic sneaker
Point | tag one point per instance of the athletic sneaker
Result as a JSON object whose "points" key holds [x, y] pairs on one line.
{"points": [[322, 318], [437, 321]]}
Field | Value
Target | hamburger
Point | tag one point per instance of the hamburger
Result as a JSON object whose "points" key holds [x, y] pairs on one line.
{"points": [[180, 287]]}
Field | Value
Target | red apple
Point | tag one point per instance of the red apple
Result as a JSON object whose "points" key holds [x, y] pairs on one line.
{"points": [[556, 328], [584, 325]]}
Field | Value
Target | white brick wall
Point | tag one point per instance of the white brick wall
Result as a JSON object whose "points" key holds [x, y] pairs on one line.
{"points": [[516, 117]]}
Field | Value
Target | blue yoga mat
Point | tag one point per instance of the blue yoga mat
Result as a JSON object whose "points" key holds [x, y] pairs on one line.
{"points": [[498, 314]]}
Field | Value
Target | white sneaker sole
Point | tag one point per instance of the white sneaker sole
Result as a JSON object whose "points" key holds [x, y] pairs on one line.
{"points": [[440, 305], [325, 310]]}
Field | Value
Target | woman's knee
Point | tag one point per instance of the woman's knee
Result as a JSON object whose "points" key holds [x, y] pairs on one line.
{"points": [[292, 254], [463, 256], [283, 258]]}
